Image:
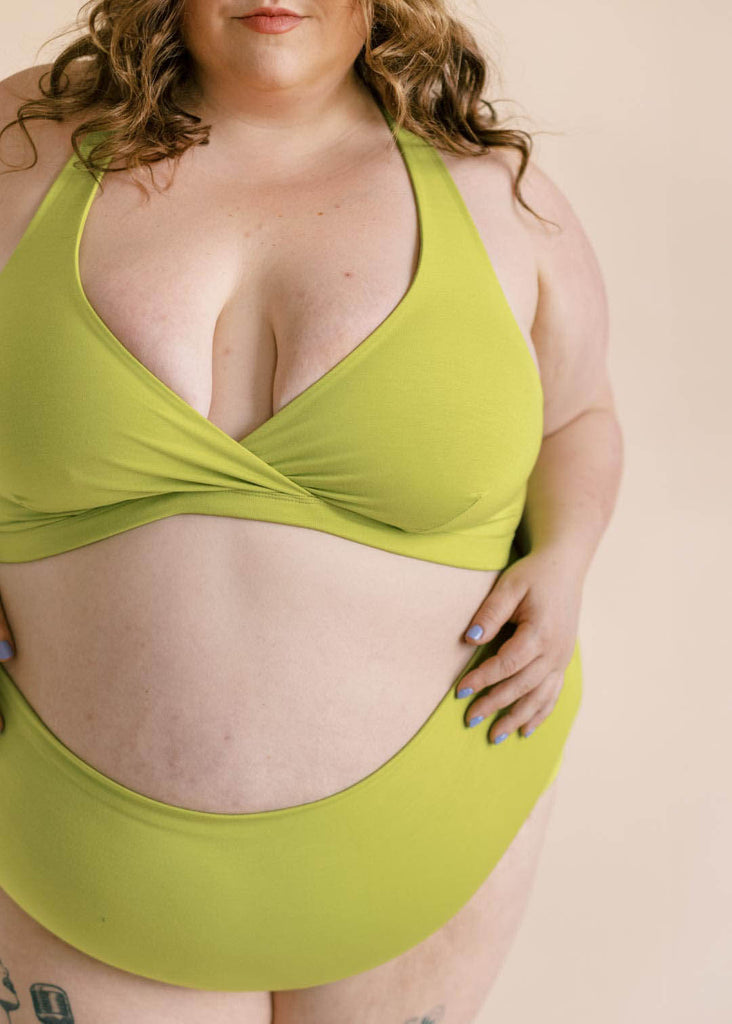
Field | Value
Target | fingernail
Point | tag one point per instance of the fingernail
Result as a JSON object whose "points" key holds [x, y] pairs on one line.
{"points": [[529, 731], [465, 692], [6, 651], [501, 738], [475, 632], [475, 720]]}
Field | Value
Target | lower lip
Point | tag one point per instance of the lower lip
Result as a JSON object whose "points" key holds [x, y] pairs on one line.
{"points": [[270, 23]]}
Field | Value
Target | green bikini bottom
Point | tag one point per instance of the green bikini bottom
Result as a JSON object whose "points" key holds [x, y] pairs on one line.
{"points": [[285, 898]]}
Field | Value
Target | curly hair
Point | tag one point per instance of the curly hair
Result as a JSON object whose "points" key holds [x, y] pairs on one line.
{"points": [[418, 61]]}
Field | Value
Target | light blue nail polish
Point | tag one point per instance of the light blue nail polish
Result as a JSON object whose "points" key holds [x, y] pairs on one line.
{"points": [[475, 632], [475, 720], [465, 692], [6, 651], [529, 731], [501, 738]]}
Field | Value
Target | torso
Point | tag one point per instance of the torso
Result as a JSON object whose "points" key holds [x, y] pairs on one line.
{"points": [[234, 665]]}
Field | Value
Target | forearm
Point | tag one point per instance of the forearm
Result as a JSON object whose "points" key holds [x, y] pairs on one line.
{"points": [[572, 490]]}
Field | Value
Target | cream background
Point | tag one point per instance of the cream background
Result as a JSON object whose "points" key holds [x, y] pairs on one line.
{"points": [[629, 919]]}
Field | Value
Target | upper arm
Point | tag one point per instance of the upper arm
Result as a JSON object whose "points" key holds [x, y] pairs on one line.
{"points": [[571, 326]]}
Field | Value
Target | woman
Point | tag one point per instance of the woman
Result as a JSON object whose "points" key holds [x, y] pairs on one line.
{"points": [[237, 775]]}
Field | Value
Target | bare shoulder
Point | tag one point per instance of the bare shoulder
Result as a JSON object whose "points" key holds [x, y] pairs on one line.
{"points": [[498, 169], [15, 149]]}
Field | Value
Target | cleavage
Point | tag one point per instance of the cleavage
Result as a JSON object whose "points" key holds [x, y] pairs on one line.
{"points": [[240, 304]]}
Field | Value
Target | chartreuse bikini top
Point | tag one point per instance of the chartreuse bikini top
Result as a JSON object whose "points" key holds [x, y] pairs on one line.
{"points": [[419, 442]]}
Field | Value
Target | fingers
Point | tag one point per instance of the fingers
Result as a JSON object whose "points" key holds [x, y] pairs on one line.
{"points": [[6, 648], [500, 604], [514, 654], [524, 694], [542, 712], [531, 709]]}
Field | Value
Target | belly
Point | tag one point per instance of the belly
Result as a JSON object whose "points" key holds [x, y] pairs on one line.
{"points": [[232, 665]]}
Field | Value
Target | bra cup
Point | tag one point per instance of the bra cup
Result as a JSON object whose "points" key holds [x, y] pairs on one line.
{"points": [[419, 441], [454, 521], [479, 512]]}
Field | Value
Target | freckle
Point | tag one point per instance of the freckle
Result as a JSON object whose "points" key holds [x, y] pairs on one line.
{"points": [[280, 214], [337, 206], [348, 273], [246, 234], [320, 213]]}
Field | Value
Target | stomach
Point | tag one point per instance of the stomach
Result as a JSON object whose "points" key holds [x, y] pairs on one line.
{"points": [[234, 665]]}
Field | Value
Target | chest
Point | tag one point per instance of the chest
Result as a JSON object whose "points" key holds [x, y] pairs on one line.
{"points": [[240, 296]]}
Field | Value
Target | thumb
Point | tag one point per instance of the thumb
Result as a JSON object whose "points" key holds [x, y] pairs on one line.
{"points": [[504, 598]]}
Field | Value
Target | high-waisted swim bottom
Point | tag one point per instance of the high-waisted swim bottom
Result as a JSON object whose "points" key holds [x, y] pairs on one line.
{"points": [[285, 898]]}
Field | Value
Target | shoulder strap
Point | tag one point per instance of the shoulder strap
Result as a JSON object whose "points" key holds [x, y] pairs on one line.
{"points": [[50, 238], [450, 236]]}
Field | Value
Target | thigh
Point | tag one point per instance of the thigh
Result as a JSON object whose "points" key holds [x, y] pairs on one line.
{"points": [[39, 972], [447, 977]]}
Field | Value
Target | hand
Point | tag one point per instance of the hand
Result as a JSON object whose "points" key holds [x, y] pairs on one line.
{"points": [[5, 638], [542, 594]]}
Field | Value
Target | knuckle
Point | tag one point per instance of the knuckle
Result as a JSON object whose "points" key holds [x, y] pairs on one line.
{"points": [[499, 696], [508, 663], [548, 706], [527, 706], [490, 616], [518, 657], [544, 630], [540, 640], [556, 684], [529, 683], [537, 715]]}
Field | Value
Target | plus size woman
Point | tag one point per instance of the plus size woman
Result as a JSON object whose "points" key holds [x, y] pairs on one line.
{"points": [[307, 442]]}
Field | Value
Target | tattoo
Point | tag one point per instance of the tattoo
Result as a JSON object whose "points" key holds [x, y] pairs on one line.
{"points": [[433, 1016], [8, 996], [51, 1004]]}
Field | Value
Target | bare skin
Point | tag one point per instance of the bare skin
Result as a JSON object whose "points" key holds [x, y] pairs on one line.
{"points": [[233, 665]]}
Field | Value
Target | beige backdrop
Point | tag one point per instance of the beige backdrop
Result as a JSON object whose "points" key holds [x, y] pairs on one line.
{"points": [[629, 921]]}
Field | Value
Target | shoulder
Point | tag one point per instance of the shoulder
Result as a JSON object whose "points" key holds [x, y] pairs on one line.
{"points": [[485, 185], [25, 176], [555, 244], [570, 328], [51, 138]]}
